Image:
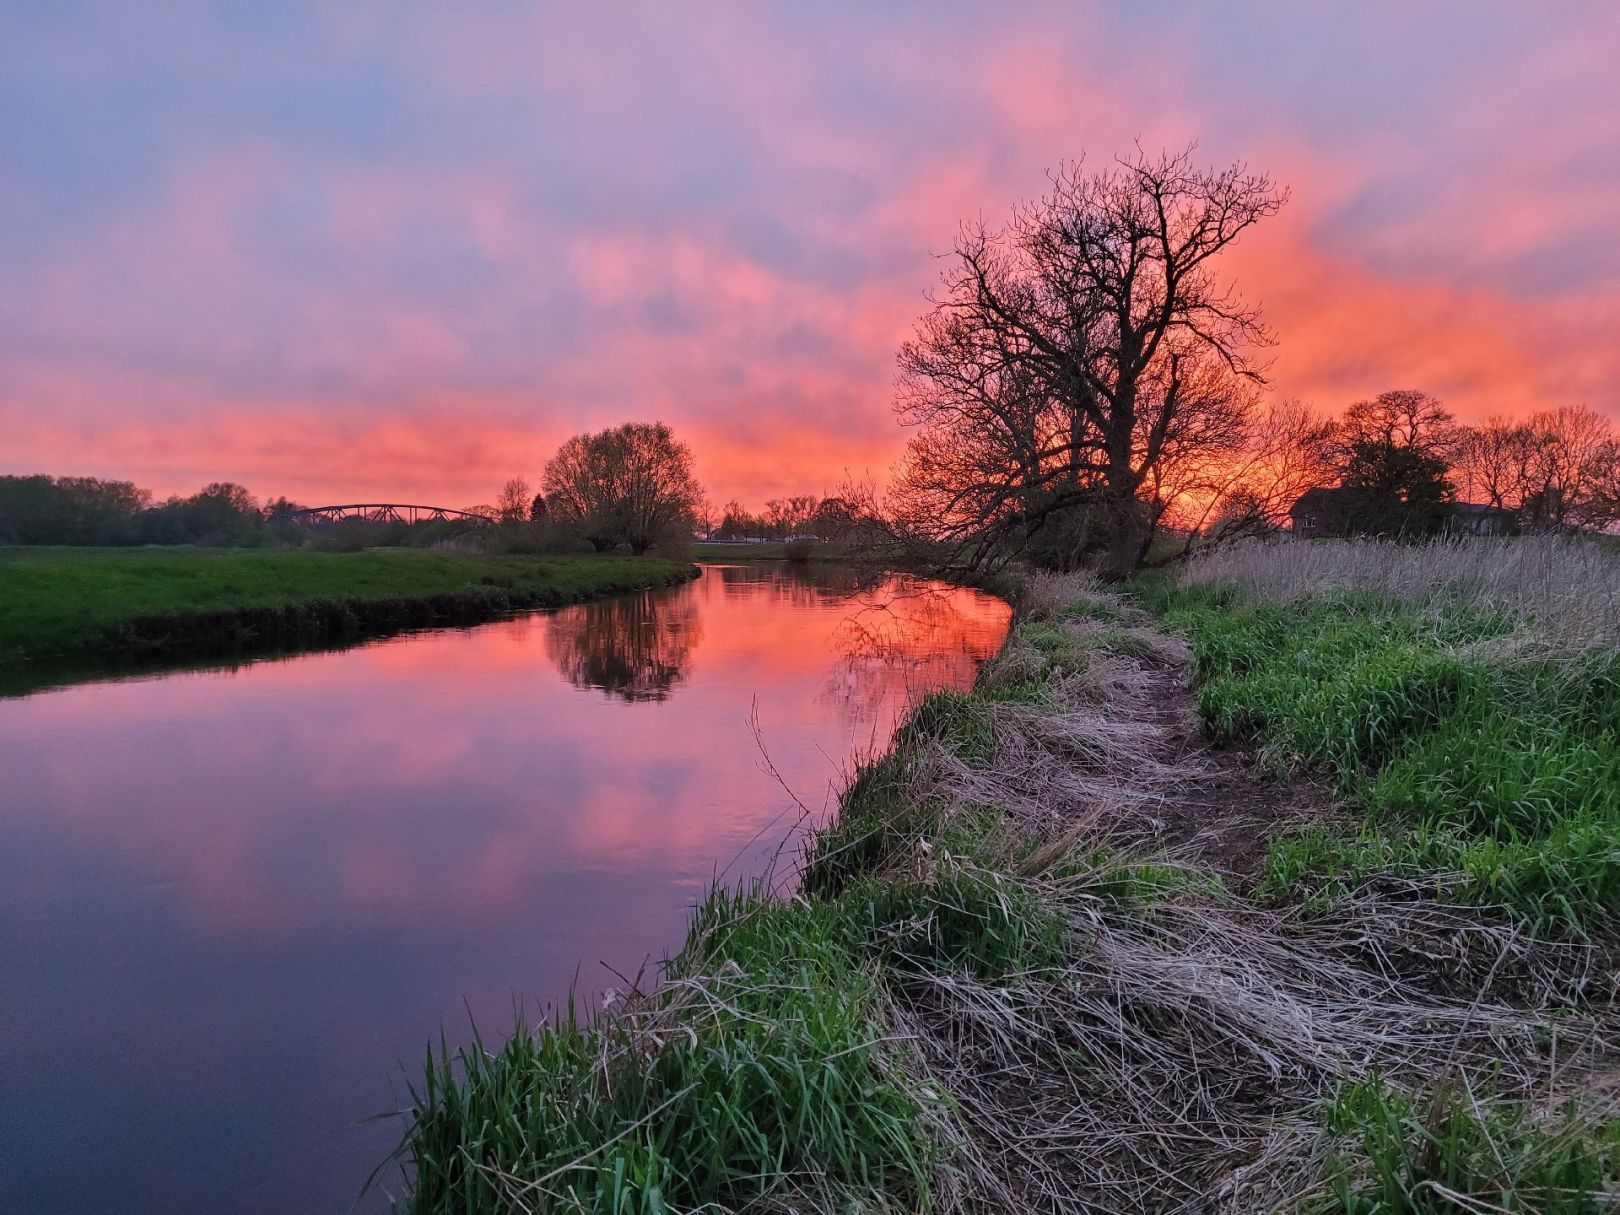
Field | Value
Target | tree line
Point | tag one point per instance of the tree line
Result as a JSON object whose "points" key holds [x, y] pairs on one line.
{"points": [[88, 510], [1399, 465], [835, 517], [630, 486], [1085, 382]]}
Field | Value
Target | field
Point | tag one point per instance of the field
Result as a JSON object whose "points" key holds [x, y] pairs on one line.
{"points": [[1028, 967], [79, 603], [775, 550]]}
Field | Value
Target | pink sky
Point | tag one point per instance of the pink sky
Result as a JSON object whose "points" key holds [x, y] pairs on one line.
{"points": [[361, 252]]}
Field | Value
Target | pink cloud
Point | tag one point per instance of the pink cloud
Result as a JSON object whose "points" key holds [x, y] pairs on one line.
{"points": [[728, 225]]}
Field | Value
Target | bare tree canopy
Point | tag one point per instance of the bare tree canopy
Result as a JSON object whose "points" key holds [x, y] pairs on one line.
{"points": [[1073, 353], [631, 485], [1558, 470], [1403, 419], [515, 501]]}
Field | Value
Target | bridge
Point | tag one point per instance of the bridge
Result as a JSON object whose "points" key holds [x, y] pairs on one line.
{"points": [[384, 512]]}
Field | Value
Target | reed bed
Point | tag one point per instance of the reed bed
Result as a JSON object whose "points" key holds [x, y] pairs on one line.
{"points": [[1565, 588]]}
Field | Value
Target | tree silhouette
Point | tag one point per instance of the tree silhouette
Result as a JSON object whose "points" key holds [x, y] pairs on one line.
{"points": [[1072, 352]]}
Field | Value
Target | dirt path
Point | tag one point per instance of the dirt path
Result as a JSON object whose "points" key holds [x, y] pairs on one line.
{"points": [[1225, 816], [1214, 805]]}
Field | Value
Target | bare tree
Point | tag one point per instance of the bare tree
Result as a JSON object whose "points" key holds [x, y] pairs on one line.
{"points": [[1404, 420], [1069, 352], [1219, 495], [632, 485], [1558, 470], [1494, 460], [1572, 473], [515, 501]]}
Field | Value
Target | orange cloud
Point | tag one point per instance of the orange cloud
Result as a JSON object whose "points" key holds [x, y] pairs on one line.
{"points": [[726, 225]]}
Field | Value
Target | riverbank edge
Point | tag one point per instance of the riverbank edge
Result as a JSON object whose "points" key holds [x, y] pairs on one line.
{"points": [[319, 622], [917, 1027]]}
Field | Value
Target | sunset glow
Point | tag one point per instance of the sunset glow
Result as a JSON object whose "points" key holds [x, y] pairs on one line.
{"points": [[351, 252]]}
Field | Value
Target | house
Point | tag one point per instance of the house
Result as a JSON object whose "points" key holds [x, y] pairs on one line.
{"points": [[1477, 519], [1319, 512], [1338, 511]]}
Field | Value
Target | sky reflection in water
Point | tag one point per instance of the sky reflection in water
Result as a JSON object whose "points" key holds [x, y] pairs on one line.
{"points": [[235, 901]]}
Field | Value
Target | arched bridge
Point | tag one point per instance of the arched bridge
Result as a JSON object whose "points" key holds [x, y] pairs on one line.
{"points": [[384, 512]]}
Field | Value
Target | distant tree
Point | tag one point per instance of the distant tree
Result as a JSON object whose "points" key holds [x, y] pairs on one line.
{"points": [[1557, 470], [1393, 454], [69, 510], [279, 521], [632, 485], [278, 510], [1493, 461], [737, 524], [788, 516], [1404, 419], [834, 518], [221, 513], [515, 501], [1071, 353], [1572, 479], [537, 509]]}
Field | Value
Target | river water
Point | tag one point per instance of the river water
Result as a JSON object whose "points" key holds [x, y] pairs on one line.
{"points": [[236, 905]]}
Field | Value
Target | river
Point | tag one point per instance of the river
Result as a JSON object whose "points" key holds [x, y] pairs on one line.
{"points": [[237, 903]]}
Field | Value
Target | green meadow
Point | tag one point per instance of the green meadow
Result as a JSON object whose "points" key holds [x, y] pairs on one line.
{"points": [[130, 604]]}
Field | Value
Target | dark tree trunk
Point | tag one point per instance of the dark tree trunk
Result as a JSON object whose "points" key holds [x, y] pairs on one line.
{"points": [[1125, 529]]}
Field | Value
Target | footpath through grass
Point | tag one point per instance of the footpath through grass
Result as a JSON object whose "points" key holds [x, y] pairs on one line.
{"points": [[140, 604], [1466, 700], [989, 990]]}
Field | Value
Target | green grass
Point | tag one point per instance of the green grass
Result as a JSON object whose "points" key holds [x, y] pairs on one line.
{"points": [[1493, 778], [79, 602], [772, 1079], [763, 1071], [1399, 1156]]}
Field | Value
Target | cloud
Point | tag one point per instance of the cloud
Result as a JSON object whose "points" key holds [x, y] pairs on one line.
{"points": [[366, 251]]}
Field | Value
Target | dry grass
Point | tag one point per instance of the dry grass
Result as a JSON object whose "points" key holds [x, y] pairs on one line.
{"points": [[1178, 1058], [1176, 1062], [1563, 588]]}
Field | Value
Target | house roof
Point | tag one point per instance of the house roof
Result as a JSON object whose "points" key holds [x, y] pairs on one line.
{"points": [[1323, 497], [1315, 499]]}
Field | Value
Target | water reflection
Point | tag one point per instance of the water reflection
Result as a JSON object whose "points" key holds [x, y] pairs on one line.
{"points": [[231, 900], [635, 648]]}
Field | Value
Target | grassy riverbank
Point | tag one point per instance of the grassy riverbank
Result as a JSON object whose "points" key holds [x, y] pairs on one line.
{"points": [[1023, 971], [776, 550], [136, 604]]}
